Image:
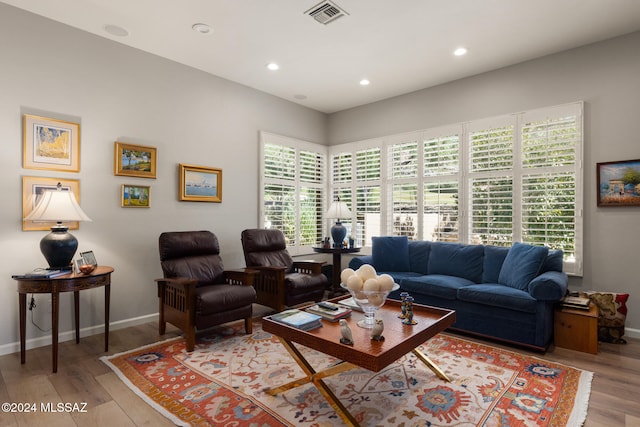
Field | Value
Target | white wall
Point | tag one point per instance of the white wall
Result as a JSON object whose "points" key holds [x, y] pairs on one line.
{"points": [[119, 93], [606, 76]]}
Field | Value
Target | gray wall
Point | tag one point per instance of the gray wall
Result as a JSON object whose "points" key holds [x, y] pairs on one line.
{"points": [[119, 93], [606, 76]]}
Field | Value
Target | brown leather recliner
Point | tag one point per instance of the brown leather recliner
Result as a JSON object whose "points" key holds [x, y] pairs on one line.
{"points": [[196, 292], [281, 282]]}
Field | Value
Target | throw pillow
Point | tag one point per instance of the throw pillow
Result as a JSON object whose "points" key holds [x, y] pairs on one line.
{"points": [[612, 308], [456, 259], [390, 253], [521, 265]]}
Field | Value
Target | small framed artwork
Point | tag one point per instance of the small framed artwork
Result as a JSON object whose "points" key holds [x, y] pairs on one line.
{"points": [[135, 160], [88, 258], [200, 183], [32, 189], [619, 183], [135, 196], [50, 144]]}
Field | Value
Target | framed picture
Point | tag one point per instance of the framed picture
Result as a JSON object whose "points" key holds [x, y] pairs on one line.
{"points": [[619, 183], [200, 183], [88, 258], [135, 196], [32, 189], [50, 144], [135, 160]]}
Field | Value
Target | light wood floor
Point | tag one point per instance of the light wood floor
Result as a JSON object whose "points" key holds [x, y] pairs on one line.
{"points": [[81, 377]]}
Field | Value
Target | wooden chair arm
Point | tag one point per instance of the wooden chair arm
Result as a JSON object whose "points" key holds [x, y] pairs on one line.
{"points": [[244, 276], [185, 284], [308, 266]]}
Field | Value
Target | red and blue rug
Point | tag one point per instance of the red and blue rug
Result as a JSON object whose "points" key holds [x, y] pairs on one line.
{"points": [[222, 383]]}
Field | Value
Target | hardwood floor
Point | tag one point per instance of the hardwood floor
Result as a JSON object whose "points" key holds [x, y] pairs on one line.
{"points": [[82, 377]]}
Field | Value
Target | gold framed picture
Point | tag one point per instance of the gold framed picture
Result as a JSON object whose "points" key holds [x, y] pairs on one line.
{"points": [[134, 160], [32, 189], [200, 184], [50, 144], [135, 196]]}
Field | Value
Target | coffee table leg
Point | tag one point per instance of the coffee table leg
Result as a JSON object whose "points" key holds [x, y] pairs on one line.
{"points": [[436, 370], [316, 379]]}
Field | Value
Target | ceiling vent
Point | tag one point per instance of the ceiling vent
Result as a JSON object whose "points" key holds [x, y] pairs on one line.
{"points": [[325, 12]]}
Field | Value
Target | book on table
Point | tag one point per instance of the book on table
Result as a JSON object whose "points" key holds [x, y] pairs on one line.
{"points": [[350, 303], [42, 273], [575, 302], [333, 314], [298, 319]]}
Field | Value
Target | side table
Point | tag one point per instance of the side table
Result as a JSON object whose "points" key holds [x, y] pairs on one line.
{"points": [[576, 329], [71, 282], [337, 265]]}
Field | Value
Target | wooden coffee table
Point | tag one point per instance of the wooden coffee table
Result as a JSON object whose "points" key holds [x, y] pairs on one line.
{"points": [[366, 353]]}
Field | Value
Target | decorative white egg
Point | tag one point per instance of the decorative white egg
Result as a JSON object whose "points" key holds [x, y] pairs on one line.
{"points": [[345, 274], [371, 285], [354, 282], [386, 282], [366, 271]]}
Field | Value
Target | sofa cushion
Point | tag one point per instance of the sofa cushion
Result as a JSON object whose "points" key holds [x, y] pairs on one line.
{"points": [[497, 295], [553, 262], [521, 265], [436, 285], [419, 255], [493, 258], [456, 259], [390, 253]]}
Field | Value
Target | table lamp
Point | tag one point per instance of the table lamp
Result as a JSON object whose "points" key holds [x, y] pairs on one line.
{"points": [[336, 211], [59, 246]]}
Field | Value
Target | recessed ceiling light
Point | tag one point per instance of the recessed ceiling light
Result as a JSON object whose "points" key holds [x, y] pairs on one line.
{"points": [[115, 30], [460, 51], [273, 66], [202, 28], [364, 82]]}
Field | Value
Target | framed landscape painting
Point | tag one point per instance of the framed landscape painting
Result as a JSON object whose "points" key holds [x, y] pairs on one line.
{"points": [[619, 183], [135, 160], [32, 189], [135, 196], [200, 183], [50, 144]]}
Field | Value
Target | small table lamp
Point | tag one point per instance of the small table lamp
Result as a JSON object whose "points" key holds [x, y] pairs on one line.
{"points": [[59, 246], [336, 211]]}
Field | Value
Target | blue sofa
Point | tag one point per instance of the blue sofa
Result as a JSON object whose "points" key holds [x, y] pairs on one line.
{"points": [[506, 293]]}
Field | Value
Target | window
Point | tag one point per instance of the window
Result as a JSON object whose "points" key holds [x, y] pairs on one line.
{"points": [[493, 181], [293, 187]]}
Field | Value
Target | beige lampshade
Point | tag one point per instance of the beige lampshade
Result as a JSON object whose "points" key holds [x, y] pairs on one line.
{"points": [[57, 205], [338, 210]]}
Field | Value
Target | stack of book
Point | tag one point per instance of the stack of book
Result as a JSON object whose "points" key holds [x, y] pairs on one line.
{"points": [[350, 303], [330, 311], [575, 302], [42, 273], [298, 319]]}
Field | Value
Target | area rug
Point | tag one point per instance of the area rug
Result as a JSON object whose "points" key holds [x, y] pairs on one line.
{"points": [[222, 383]]}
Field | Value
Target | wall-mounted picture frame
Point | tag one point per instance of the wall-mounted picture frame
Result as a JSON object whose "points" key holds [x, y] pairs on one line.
{"points": [[618, 183], [135, 196], [50, 144], [135, 160], [200, 183], [32, 189]]}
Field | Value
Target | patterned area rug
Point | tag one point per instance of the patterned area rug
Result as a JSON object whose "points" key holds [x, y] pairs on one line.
{"points": [[222, 383]]}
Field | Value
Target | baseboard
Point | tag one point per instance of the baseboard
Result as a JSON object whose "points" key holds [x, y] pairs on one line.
{"points": [[71, 335], [632, 333]]}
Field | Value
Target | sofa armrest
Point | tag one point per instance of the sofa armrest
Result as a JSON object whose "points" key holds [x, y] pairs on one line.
{"points": [[356, 262], [549, 286]]}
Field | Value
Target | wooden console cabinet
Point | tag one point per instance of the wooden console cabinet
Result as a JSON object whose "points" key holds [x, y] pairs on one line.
{"points": [[576, 329]]}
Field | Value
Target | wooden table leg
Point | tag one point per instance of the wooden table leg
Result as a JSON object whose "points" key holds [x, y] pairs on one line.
{"points": [[76, 309], [316, 379], [22, 300], [436, 370], [55, 308], [107, 296]]}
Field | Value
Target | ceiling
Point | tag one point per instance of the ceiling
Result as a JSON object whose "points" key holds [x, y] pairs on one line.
{"points": [[399, 46]]}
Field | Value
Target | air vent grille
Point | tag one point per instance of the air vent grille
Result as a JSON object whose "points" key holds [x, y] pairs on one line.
{"points": [[326, 12]]}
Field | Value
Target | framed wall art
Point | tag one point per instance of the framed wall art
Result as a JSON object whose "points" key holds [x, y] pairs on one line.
{"points": [[135, 196], [135, 160], [32, 189], [200, 183], [50, 144], [619, 183]]}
